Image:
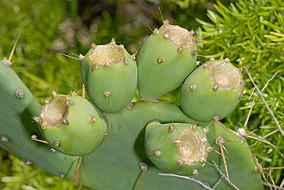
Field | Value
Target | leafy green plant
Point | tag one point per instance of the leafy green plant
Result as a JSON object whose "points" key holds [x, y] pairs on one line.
{"points": [[251, 34]]}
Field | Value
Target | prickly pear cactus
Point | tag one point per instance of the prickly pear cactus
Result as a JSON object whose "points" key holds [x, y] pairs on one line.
{"points": [[149, 145]]}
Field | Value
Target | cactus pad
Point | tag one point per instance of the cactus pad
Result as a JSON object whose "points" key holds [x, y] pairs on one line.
{"points": [[212, 90]]}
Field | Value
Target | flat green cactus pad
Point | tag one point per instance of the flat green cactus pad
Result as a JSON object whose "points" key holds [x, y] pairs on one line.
{"points": [[116, 164]]}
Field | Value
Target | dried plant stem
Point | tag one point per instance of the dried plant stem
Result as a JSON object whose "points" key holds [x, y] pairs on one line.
{"points": [[224, 176], [205, 186], [259, 169], [269, 143], [264, 101], [281, 185]]}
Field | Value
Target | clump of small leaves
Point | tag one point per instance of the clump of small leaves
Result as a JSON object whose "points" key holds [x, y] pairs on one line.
{"points": [[250, 33]]}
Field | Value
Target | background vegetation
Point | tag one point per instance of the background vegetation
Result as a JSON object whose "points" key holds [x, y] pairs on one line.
{"points": [[250, 33]]}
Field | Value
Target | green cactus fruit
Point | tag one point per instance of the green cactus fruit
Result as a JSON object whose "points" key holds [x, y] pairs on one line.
{"points": [[212, 91], [178, 148], [110, 76], [166, 58], [72, 125]]}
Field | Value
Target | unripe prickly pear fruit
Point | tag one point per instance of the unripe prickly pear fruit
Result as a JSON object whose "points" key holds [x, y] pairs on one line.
{"points": [[72, 125], [212, 91], [178, 148], [110, 76], [166, 58]]}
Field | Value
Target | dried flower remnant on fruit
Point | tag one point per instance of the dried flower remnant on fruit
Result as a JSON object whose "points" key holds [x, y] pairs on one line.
{"points": [[191, 148], [180, 37], [54, 113], [107, 55], [224, 74]]}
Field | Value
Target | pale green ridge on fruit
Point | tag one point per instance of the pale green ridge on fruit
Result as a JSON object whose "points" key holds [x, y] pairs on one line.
{"points": [[179, 148], [110, 76], [165, 59], [72, 125], [212, 91]]}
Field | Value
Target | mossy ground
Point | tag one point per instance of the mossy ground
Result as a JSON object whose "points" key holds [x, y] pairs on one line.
{"points": [[250, 33]]}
